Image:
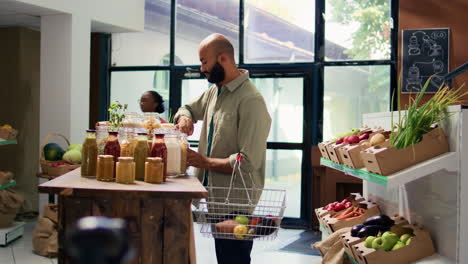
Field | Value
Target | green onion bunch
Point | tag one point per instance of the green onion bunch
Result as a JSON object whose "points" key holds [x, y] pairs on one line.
{"points": [[420, 118]]}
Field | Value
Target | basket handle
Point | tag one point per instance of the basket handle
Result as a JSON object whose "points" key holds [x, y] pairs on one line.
{"points": [[46, 139], [233, 176]]}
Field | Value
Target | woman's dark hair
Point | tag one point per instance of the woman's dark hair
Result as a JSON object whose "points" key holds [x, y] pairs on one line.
{"points": [[158, 99]]}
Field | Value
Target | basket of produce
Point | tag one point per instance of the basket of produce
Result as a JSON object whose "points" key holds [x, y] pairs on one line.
{"points": [[7, 132], [241, 213], [54, 160]]}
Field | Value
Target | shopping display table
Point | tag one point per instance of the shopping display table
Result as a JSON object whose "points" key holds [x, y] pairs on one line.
{"points": [[158, 215]]}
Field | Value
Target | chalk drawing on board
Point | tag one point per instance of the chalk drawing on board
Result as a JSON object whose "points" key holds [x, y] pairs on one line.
{"points": [[413, 82], [413, 47], [425, 56]]}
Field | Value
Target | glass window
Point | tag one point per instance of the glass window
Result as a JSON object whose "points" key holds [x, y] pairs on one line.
{"points": [[358, 90], [147, 47], [197, 19], [127, 87], [357, 30], [279, 31], [192, 89], [283, 171], [284, 99]]}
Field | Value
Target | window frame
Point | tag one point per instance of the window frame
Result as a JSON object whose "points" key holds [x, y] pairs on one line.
{"points": [[313, 73]]}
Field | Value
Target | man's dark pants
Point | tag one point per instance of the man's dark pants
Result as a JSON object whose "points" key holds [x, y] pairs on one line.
{"points": [[233, 251]]}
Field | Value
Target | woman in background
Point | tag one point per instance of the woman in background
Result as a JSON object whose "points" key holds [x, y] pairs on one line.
{"points": [[152, 101]]}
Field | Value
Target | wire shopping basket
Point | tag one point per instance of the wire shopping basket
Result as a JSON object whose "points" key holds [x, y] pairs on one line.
{"points": [[241, 213]]}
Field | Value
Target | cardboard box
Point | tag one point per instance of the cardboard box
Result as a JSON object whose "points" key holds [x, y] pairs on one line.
{"points": [[323, 149], [354, 198], [421, 246], [324, 146], [351, 154], [349, 241], [332, 150], [333, 224], [385, 160]]}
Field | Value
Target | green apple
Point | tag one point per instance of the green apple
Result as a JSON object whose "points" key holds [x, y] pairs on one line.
{"points": [[389, 241], [241, 219], [369, 240], [377, 243], [408, 241], [405, 238], [398, 245], [388, 233]]}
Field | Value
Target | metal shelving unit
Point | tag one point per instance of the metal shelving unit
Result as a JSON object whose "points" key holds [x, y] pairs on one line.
{"points": [[447, 161], [432, 193]]}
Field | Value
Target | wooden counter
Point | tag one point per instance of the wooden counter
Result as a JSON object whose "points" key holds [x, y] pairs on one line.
{"points": [[158, 215]]}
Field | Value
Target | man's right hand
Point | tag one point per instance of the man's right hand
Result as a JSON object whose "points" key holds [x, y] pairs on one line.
{"points": [[185, 125]]}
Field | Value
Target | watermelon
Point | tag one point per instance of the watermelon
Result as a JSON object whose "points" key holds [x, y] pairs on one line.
{"points": [[53, 152]]}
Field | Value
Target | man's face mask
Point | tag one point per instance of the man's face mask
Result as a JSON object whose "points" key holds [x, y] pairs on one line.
{"points": [[216, 75]]}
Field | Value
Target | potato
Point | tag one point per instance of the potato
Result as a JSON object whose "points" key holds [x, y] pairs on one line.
{"points": [[366, 144], [377, 139], [226, 226]]}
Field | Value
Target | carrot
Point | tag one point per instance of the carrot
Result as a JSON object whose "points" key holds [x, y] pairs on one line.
{"points": [[344, 216], [354, 217], [343, 212]]}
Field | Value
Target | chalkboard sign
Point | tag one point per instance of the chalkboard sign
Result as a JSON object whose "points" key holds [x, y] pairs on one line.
{"points": [[425, 53]]}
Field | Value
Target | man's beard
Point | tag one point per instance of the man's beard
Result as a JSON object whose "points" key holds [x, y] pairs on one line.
{"points": [[216, 75]]}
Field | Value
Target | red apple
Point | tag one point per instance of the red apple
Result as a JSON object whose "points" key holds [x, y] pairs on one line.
{"points": [[363, 136], [340, 140], [353, 139], [339, 207], [255, 221]]}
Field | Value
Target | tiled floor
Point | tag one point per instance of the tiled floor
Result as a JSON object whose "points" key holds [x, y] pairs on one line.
{"points": [[20, 251]]}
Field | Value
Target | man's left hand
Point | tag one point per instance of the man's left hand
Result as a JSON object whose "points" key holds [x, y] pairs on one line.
{"points": [[197, 160]]}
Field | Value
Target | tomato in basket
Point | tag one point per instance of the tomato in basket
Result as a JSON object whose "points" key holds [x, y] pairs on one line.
{"points": [[254, 221]]}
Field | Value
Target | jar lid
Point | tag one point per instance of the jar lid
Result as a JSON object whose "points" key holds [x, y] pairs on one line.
{"points": [[142, 134], [113, 133], [154, 159], [168, 125], [91, 130], [126, 159], [106, 157]]}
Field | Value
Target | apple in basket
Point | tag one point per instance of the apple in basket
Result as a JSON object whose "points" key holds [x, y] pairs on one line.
{"points": [[58, 164]]}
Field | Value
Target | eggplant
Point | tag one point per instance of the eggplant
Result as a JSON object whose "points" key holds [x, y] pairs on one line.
{"points": [[355, 230], [372, 230], [381, 220], [266, 227]]}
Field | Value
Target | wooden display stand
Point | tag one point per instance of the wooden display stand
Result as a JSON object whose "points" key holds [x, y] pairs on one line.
{"points": [[158, 215]]}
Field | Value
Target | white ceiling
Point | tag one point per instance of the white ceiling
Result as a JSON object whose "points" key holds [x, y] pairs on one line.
{"points": [[14, 13], [11, 7]]}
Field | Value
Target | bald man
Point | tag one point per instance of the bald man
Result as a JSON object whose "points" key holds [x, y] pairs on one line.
{"points": [[235, 121]]}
